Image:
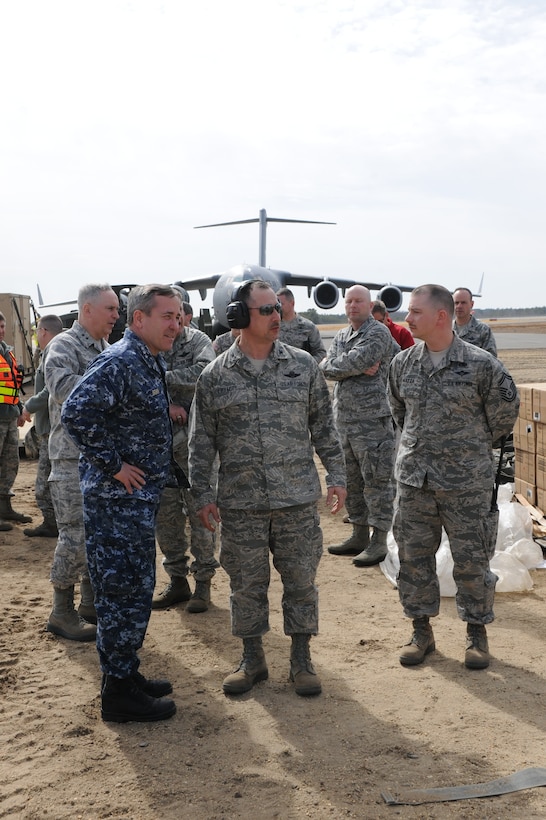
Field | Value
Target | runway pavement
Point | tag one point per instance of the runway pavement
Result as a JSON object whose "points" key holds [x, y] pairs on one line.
{"points": [[505, 341]]}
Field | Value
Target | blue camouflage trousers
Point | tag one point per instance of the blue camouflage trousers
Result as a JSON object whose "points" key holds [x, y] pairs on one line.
{"points": [[420, 514], [294, 538], [120, 544], [69, 562]]}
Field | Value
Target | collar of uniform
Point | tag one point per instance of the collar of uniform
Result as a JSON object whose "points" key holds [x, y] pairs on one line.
{"points": [[87, 339], [155, 361], [234, 354]]}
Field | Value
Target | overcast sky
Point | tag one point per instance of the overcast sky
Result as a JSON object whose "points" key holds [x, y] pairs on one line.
{"points": [[418, 127]]}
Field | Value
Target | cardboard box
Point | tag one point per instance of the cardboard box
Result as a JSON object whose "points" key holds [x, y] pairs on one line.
{"points": [[540, 472], [16, 309], [525, 466], [525, 435], [525, 401], [540, 439], [528, 491], [541, 499], [539, 403]]}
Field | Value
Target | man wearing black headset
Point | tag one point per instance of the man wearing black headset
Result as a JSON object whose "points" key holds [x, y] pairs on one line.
{"points": [[252, 400]]}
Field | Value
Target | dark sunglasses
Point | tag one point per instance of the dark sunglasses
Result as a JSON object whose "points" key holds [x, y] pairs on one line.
{"points": [[267, 310]]}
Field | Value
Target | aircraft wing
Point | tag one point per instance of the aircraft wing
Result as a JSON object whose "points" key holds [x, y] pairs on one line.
{"points": [[311, 281]]}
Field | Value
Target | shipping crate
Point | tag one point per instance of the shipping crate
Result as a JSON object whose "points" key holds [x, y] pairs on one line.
{"points": [[525, 432], [19, 331], [528, 491], [525, 401], [539, 403], [525, 466], [540, 472]]}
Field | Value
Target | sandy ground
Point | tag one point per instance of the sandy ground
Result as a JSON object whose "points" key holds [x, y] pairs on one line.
{"points": [[377, 726]]}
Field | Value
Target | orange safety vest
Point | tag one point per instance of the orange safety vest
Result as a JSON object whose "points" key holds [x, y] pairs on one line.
{"points": [[10, 379]]}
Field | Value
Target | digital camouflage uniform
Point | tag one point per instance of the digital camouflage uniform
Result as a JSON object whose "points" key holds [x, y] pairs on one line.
{"points": [[68, 356], [119, 413], [264, 427], [37, 405], [301, 332], [223, 342], [364, 420], [450, 417], [9, 436], [477, 333], [191, 352]]}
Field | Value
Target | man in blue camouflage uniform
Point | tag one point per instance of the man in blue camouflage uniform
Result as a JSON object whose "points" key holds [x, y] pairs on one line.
{"points": [[263, 406], [452, 402], [467, 327], [48, 327], [118, 416], [68, 356], [358, 362], [297, 330], [191, 352]]}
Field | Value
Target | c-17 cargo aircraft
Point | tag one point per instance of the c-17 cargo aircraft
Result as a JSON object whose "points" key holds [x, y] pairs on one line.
{"points": [[324, 289]]}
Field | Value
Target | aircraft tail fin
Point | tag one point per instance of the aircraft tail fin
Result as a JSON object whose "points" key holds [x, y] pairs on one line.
{"points": [[40, 298], [479, 293]]}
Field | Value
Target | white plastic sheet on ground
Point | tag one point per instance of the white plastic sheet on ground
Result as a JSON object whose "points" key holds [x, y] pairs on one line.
{"points": [[515, 552]]}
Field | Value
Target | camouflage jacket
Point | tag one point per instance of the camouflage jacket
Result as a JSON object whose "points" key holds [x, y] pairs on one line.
{"points": [[223, 342], [37, 405], [450, 416], [477, 333], [350, 354], [301, 332], [119, 412], [264, 427], [68, 355], [191, 352]]}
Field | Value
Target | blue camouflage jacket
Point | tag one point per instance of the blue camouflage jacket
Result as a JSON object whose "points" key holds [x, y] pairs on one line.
{"points": [[119, 412]]}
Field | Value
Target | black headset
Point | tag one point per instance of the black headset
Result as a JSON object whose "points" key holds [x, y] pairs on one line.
{"points": [[237, 312]]}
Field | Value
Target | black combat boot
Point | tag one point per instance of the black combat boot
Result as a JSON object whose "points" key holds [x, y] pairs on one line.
{"points": [[9, 514], [376, 551], [47, 529], [251, 669], [123, 700], [156, 688], [421, 643], [355, 544], [302, 672]]}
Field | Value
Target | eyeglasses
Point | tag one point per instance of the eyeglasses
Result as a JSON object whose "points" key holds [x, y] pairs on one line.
{"points": [[267, 310]]}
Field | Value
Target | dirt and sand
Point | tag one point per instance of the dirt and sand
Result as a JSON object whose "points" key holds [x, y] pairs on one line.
{"points": [[270, 754]]}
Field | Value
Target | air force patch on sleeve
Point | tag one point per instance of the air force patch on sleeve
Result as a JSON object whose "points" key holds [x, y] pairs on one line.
{"points": [[507, 388]]}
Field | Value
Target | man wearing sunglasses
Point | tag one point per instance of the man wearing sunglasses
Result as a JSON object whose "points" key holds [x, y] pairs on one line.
{"points": [[250, 403]]}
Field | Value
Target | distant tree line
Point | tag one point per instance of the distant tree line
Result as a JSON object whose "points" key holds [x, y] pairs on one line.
{"points": [[486, 313]]}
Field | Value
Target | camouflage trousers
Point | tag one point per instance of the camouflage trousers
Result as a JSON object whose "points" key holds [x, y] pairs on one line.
{"points": [[41, 487], [420, 514], [369, 459], [294, 538], [9, 454], [69, 562], [177, 508], [120, 545]]}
